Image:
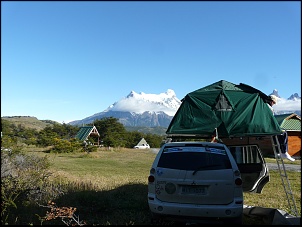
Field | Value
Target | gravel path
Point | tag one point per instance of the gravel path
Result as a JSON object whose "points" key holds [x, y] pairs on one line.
{"points": [[288, 167]]}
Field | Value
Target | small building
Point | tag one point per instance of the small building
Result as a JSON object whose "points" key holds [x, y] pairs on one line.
{"points": [[292, 124], [142, 144], [88, 131]]}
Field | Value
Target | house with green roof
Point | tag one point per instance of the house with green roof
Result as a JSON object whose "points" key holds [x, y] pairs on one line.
{"points": [[88, 131], [289, 122], [292, 124]]}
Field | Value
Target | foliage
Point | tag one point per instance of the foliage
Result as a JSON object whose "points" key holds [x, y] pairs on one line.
{"points": [[46, 137], [88, 146], [133, 138], [18, 132], [66, 214], [65, 146], [112, 133], [154, 140], [65, 131], [23, 182], [49, 135]]}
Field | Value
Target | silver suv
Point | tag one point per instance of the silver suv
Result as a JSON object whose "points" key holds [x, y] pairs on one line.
{"points": [[198, 182], [194, 182]]}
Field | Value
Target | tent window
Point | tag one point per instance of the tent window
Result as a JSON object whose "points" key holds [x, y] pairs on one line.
{"points": [[223, 104]]}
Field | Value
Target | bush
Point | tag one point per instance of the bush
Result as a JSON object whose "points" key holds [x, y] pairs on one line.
{"points": [[65, 146], [23, 182]]}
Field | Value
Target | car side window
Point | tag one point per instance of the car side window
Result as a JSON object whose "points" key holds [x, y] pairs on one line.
{"points": [[246, 154]]}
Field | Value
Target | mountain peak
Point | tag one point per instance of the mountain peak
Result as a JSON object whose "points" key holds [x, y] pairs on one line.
{"points": [[132, 94], [275, 92], [139, 103], [294, 97], [170, 93]]}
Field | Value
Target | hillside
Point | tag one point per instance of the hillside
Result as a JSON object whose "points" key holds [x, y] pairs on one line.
{"points": [[34, 123], [29, 122]]}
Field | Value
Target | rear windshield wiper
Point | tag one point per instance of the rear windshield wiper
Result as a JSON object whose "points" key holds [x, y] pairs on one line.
{"points": [[203, 167]]}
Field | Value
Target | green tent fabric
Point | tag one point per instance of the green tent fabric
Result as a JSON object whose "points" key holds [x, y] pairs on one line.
{"points": [[235, 110]]}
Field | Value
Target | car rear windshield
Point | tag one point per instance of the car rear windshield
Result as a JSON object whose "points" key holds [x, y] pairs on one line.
{"points": [[192, 158]]}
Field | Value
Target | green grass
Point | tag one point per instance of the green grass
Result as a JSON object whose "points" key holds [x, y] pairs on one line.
{"points": [[104, 168], [273, 194], [272, 160], [110, 187]]}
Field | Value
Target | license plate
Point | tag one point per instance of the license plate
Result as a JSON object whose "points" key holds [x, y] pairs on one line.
{"points": [[201, 190]]}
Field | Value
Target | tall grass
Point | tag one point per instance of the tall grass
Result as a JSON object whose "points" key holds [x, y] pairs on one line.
{"points": [[109, 187]]}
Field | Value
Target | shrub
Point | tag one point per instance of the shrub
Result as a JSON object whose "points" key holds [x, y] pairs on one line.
{"points": [[65, 146], [23, 182]]}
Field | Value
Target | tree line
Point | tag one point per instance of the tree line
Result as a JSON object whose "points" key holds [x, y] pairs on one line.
{"points": [[61, 137]]}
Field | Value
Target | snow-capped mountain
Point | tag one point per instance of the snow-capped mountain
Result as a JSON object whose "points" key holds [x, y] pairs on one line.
{"points": [[275, 92], [294, 97], [140, 109], [285, 106], [151, 110], [139, 103]]}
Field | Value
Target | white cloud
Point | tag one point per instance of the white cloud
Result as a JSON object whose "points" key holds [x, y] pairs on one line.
{"points": [[140, 106], [287, 105]]}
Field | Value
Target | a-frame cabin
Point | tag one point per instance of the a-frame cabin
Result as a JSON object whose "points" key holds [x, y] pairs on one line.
{"points": [[88, 131]]}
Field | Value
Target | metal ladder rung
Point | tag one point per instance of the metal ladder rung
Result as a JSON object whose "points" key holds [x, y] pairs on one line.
{"points": [[287, 188]]}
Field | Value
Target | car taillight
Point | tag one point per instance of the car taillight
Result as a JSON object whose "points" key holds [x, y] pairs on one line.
{"points": [[151, 179], [238, 181]]}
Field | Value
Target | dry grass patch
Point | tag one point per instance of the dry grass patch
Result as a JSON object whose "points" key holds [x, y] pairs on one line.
{"points": [[110, 186]]}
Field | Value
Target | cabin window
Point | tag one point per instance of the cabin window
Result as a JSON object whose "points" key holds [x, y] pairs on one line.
{"points": [[223, 104]]}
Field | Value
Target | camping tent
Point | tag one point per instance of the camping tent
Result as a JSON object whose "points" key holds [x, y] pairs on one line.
{"points": [[234, 110], [142, 144]]}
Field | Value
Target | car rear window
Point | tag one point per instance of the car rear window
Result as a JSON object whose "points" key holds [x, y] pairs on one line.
{"points": [[192, 158]]}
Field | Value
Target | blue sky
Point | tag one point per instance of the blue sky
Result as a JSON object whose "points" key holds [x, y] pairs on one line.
{"points": [[65, 61]]}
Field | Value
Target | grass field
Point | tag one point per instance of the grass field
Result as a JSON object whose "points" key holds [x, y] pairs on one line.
{"points": [[110, 187]]}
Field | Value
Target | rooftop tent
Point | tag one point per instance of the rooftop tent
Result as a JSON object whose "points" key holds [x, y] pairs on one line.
{"points": [[235, 110]]}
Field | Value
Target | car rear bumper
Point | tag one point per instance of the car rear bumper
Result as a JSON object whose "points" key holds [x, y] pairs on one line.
{"points": [[231, 210]]}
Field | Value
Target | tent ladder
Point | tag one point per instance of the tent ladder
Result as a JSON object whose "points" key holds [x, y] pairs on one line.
{"points": [[283, 175]]}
